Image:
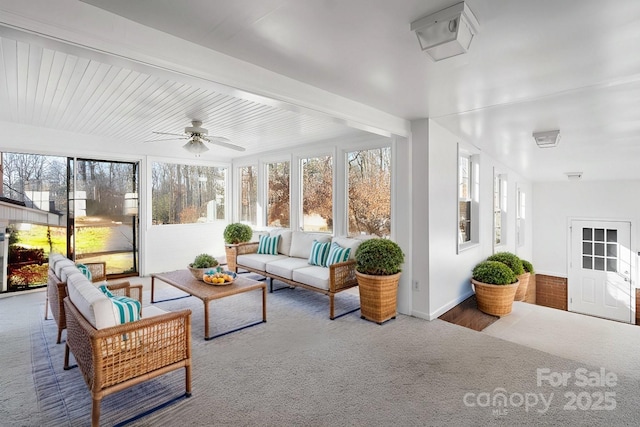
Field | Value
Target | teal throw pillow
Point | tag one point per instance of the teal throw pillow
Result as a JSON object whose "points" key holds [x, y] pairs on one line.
{"points": [[268, 245], [337, 254], [105, 291], [126, 309], [84, 270], [319, 253]]}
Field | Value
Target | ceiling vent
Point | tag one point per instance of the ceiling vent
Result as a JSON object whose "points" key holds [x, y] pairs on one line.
{"points": [[547, 139], [446, 33]]}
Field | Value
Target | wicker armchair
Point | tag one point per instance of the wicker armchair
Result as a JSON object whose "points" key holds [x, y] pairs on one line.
{"points": [[117, 357], [57, 292]]}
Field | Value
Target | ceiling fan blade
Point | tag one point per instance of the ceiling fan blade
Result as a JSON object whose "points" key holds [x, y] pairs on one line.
{"points": [[164, 139], [224, 142], [173, 134]]}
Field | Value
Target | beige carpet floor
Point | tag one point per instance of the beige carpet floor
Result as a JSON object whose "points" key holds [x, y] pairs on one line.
{"points": [[300, 368]]}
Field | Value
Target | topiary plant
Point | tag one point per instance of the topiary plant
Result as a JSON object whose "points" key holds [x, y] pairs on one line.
{"points": [[511, 260], [204, 261], [379, 257], [237, 233], [528, 267], [493, 273]]}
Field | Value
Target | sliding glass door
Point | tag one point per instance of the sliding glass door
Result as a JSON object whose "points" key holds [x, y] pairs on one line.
{"points": [[103, 214]]}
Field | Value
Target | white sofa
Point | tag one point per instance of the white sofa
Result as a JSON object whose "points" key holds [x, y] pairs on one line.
{"points": [[291, 264]]}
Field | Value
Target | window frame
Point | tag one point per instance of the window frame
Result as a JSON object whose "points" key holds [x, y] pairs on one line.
{"points": [[500, 203], [473, 199]]}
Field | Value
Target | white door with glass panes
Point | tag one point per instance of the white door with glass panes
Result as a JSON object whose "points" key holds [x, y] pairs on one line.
{"points": [[599, 282]]}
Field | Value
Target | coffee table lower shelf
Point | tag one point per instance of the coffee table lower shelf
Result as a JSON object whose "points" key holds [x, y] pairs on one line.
{"points": [[183, 280]]}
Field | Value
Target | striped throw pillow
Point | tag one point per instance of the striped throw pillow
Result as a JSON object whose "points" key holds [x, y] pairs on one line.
{"points": [[319, 253], [337, 254], [268, 245], [126, 309], [105, 290], [84, 270]]}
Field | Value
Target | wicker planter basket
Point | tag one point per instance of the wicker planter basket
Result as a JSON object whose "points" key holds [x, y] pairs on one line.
{"points": [[496, 300], [378, 296], [521, 293], [231, 253]]}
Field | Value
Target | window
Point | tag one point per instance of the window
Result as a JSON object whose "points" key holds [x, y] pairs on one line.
{"points": [[499, 208], [249, 195], [468, 182], [317, 194], [369, 192], [278, 194], [520, 217], [185, 194]]}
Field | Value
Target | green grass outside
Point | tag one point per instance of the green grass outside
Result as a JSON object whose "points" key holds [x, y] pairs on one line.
{"points": [[89, 239]]}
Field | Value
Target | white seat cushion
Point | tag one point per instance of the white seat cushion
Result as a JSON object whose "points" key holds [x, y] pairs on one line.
{"points": [[284, 267], [257, 261], [151, 311], [313, 275]]}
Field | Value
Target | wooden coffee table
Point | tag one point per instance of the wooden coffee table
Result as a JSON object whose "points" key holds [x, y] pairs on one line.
{"points": [[183, 280]]}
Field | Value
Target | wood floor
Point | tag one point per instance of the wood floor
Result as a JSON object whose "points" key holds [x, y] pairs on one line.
{"points": [[467, 314]]}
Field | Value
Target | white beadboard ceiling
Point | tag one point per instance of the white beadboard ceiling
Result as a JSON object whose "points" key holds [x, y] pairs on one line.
{"points": [[70, 89]]}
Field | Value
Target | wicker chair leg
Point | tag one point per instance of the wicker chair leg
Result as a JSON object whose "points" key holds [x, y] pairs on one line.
{"points": [[95, 413], [66, 357], [46, 308], [331, 307], [187, 377], [59, 336]]}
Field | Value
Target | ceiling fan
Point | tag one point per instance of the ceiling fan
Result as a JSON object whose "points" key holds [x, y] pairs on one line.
{"points": [[197, 136]]}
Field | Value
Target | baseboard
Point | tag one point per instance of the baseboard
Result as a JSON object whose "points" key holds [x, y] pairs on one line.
{"points": [[439, 312]]}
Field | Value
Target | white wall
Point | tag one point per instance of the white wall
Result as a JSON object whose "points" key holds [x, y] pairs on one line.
{"points": [[556, 202], [447, 273]]}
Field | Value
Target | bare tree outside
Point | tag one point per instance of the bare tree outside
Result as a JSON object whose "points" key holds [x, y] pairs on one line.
{"points": [[369, 207], [317, 193], [183, 194], [249, 195], [278, 206]]}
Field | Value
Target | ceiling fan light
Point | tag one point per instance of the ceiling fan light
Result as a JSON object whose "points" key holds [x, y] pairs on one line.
{"points": [[196, 147]]}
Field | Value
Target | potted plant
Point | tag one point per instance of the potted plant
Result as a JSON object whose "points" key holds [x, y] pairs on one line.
{"points": [[201, 264], [495, 285], [515, 264], [235, 234], [528, 271], [378, 272]]}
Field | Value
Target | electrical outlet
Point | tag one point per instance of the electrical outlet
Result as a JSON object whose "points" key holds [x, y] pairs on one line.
{"points": [[416, 285]]}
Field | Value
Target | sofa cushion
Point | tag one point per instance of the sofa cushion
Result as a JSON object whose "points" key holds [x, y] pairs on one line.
{"points": [[301, 243], [347, 242], [319, 253], [268, 245], [257, 261], [285, 267], [315, 276], [284, 244], [62, 264], [95, 306], [66, 272], [337, 254]]}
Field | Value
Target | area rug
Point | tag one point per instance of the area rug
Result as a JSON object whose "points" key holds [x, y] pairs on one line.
{"points": [[300, 368]]}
